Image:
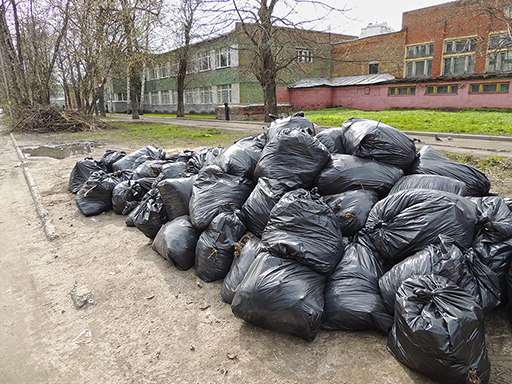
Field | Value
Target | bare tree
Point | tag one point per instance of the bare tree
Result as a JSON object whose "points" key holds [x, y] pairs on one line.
{"points": [[273, 29]]}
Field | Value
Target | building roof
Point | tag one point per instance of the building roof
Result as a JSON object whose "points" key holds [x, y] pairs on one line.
{"points": [[343, 81]]}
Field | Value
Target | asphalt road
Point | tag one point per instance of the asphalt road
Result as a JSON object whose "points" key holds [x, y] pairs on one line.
{"points": [[479, 145]]}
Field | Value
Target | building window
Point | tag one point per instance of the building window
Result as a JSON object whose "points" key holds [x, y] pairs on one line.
{"points": [[373, 68], [423, 50], [121, 97], [166, 100], [499, 53], [224, 93], [154, 98], [418, 68], [452, 89], [459, 65], [460, 46], [146, 98], [304, 55], [204, 61], [206, 95], [164, 72], [175, 97], [394, 91], [223, 58], [153, 74], [490, 88], [190, 96]]}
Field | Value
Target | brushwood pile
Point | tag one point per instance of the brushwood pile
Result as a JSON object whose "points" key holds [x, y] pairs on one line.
{"points": [[349, 228]]}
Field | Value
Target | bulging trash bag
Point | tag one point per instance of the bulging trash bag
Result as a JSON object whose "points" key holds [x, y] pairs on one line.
{"points": [[431, 162], [440, 183], [297, 121], [448, 259], [407, 221], [493, 236], [332, 138], [257, 207], [150, 214], [95, 196], [244, 257], [128, 194], [509, 290], [82, 171], [176, 195], [150, 168], [352, 297], [375, 140], [130, 161], [213, 192], [110, 157], [176, 241], [241, 158], [215, 247], [304, 228], [202, 158], [439, 331], [352, 209], [293, 157], [281, 295], [172, 170], [348, 173]]}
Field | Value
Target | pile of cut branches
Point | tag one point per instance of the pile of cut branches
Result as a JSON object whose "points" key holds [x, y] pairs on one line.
{"points": [[52, 118]]}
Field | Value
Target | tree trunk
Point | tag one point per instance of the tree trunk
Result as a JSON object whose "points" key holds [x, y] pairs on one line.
{"points": [[103, 113], [182, 72], [270, 100]]}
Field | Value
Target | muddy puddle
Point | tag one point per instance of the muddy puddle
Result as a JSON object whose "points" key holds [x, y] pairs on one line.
{"points": [[60, 151]]}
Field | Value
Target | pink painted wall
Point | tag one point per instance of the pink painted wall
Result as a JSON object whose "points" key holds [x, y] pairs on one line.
{"points": [[283, 95], [311, 98], [376, 98]]}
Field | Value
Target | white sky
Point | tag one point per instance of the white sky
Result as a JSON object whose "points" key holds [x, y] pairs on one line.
{"points": [[364, 12]]}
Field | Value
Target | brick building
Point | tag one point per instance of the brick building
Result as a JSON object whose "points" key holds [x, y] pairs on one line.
{"points": [[453, 56]]}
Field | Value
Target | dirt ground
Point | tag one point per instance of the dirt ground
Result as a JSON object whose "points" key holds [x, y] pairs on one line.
{"points": [[150, 323]]}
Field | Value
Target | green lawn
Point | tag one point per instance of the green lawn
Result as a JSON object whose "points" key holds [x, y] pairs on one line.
{"points": [[470, 121]]}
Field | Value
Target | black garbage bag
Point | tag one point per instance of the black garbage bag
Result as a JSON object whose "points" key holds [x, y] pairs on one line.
{"points": [[439, 331], [150, 214], [448, 259], [110, 157], [297, 121], [257, 207], [202, 158], [82, 171], [407, 221], [127, 195], [352, 297], [215, 247], [509, 290], [213, 192], [150, 168], [348, 173], [304, 228], [430, 162], [241, 158], [352, 209], [332, 138], [293, 157], [281, 295], [375, 140], [176, 195], [244, 257], [173, 170], [493, 237], [130, 161], [176, 241], [440, 183], [95, 196]]}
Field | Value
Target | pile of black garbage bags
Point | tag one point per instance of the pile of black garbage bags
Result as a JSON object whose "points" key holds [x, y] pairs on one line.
{"points": [[347, 228]]}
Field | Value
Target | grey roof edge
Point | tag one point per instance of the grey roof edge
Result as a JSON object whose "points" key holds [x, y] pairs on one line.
{"points": [[343, 81]]}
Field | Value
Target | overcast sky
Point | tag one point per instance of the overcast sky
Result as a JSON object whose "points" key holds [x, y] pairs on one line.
{"points": [[364, 12]]}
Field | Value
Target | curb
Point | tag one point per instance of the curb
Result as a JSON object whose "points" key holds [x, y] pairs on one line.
{"points": [[44, 216]]}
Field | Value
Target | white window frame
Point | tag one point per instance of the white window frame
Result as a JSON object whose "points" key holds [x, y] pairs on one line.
{"points": [[174, 97], [204, 60], [224, 94], [153, 74], [147, 99], [206, 95], [190, 96], [166, 99], [414, 63], [304, 55], [223, 58], [164, 72], [155, 99]]}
